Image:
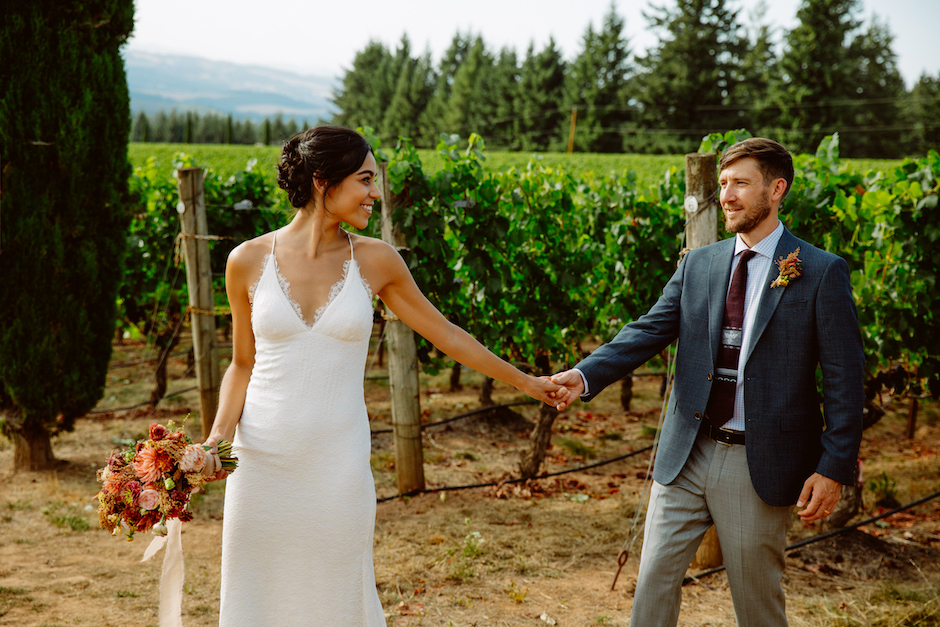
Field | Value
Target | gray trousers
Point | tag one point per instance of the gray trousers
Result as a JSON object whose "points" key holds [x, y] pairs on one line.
{"points": [[713, 487]]}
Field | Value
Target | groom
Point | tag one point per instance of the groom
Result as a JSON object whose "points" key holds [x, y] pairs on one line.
{"points": [[744, 438]]}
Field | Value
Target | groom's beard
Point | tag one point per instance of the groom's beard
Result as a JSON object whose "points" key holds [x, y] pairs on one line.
{"points": [[753, 216]]}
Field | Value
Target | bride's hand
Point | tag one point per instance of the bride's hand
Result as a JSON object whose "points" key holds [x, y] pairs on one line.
{"points": [[213, 468], [542, 389]]}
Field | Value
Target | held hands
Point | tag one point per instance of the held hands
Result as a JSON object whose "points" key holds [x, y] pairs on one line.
{"points": [[572, 386], [820, 495], [540, 388]]}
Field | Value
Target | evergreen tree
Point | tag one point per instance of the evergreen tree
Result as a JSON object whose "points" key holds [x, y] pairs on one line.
{"points": [[160, 127], [279, 130], [687, 80], [497, 93], [64, 126], [176, 127], [595, 86], [246, 132], [541, 93], [431, 120], [364, 94], [228, 129], [758, 68], [837, 78], [814, 85], [873, 126], [413, 91], [140, 131], [923, 115], [464, 112]]}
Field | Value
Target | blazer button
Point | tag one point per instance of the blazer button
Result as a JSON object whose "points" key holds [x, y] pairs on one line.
{"points": [[709, 376], [698, 416]]}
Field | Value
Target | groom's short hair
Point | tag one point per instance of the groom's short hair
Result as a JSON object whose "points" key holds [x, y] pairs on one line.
{"points": [[773, 160]]}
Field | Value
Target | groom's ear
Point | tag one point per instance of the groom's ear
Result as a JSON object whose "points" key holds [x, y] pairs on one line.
{"points": [[779, 188]]}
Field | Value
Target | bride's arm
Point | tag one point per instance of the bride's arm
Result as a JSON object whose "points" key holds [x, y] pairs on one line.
{"points": [[239, 270], [401, 295]]}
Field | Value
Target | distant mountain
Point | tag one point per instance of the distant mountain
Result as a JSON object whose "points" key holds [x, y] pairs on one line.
{"points": [[164, 82]]}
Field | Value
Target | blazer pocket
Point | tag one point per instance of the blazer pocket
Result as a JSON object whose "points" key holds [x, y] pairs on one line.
{"points": [[792, 307]]}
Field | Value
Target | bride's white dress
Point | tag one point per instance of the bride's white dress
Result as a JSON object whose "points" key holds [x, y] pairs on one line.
{"points": [[300, 510]]}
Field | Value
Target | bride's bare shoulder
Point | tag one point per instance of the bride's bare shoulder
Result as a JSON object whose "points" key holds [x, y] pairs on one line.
{"points": [[248, 256], [373, 250]]}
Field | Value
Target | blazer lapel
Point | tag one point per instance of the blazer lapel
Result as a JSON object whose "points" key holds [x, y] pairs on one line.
{"points": [[771, 297], [719, 275]]}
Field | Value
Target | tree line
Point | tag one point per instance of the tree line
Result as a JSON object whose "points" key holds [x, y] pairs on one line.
{"points": [[708, 72], [191, 127]]}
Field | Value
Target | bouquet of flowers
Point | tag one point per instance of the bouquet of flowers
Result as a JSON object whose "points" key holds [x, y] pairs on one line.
{"points": [[144, 487]]}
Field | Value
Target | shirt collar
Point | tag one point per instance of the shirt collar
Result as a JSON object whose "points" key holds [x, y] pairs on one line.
{"points": [[765, 247]]}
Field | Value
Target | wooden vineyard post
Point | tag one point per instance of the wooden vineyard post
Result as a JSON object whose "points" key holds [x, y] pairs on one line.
{"points": [[701, 200], [192, 210], [701, 215], [402, 369]]}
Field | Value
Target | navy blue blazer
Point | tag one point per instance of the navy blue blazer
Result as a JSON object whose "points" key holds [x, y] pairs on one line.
{"points": [[811, 322]]}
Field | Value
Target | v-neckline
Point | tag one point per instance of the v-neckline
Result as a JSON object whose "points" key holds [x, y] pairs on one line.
{"points": [[336, 289]]}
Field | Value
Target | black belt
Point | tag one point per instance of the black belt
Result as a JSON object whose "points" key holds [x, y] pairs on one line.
{"points": [[722, 436]]}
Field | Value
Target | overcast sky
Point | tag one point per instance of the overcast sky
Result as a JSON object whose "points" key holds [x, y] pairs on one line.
{"points": [[316, 37]]}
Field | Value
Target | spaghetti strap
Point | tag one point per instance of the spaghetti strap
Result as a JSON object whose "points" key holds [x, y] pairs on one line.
{"points": [[352, 255], [273, 241]]}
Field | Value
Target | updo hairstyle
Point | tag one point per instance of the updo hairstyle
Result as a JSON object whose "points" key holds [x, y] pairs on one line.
{"points": [[327, 153]]}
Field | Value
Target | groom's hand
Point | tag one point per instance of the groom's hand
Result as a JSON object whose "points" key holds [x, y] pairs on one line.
{"points": [[572, 387]]}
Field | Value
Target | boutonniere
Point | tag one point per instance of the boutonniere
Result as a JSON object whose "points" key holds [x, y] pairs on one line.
{"points": [[790, 268]]}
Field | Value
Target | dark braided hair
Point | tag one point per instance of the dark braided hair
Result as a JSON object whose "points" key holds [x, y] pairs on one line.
{"points": [[327, 153]]}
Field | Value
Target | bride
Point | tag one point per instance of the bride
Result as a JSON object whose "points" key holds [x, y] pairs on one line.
{"points": [[300, 512]]}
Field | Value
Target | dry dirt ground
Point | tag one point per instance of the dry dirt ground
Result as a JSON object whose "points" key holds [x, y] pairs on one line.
{"points": [[537, 554]]}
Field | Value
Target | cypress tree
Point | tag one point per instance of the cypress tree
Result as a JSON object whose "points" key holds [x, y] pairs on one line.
{"points": [[64, 126]]}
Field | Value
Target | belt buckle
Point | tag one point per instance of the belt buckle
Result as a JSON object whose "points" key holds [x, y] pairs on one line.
{"points": [[723, 442]]}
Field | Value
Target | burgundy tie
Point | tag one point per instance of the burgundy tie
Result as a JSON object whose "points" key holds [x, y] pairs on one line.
{"points": [[720, 407]]}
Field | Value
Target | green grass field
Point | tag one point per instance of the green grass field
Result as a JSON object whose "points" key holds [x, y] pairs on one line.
{"points": [[649, 168]]}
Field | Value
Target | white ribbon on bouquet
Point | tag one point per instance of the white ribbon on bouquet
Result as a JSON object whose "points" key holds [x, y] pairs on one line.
{"points": [[171, 581]]}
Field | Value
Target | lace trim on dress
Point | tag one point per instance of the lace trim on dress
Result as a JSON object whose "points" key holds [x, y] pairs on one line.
{"points": [[337, 288], [254, 286], [285, 288]]}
